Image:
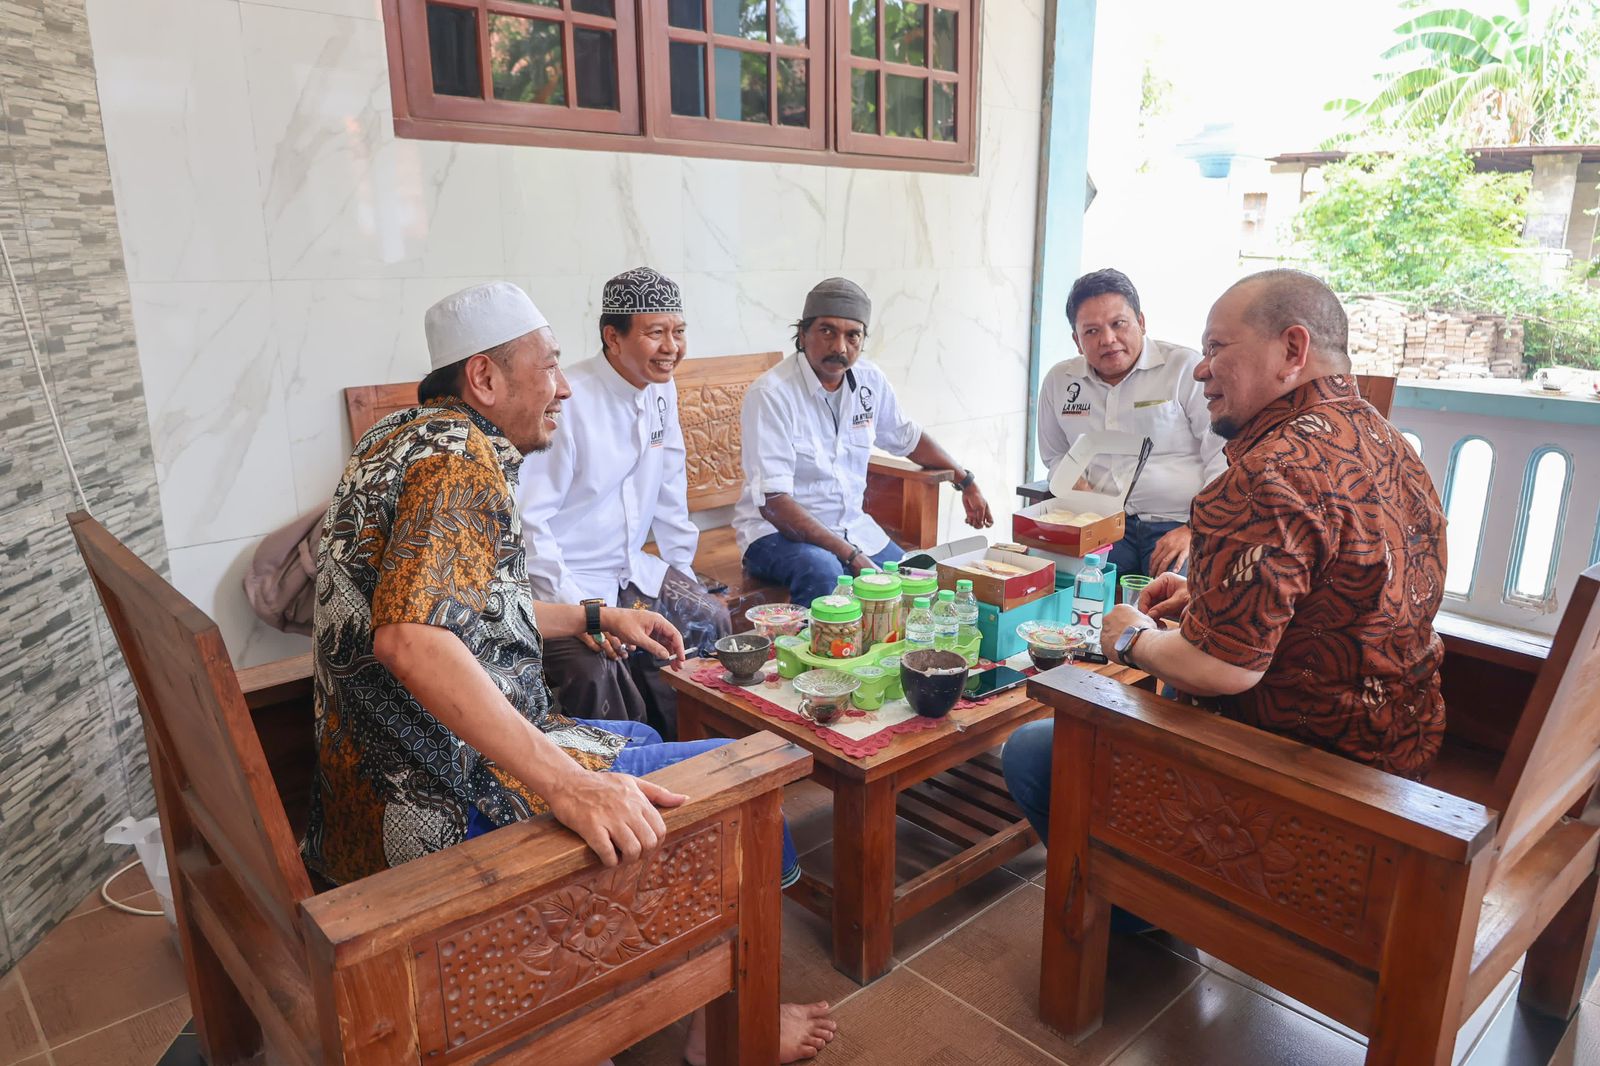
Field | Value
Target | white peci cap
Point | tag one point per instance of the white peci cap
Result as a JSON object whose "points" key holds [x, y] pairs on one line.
{"points": [[476, 319]]}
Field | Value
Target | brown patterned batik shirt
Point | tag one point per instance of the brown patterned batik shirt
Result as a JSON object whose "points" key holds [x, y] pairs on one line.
{"points": [[423, 528], [1319, 557]]}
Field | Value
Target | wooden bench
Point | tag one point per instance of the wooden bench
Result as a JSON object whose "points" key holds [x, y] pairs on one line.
{"points": [[901, 496], [459, 955], [1391, 906]]}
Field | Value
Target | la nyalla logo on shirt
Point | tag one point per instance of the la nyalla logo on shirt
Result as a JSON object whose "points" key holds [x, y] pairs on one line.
{"points": [[1074, 406], [863, 415], [659, 434]]}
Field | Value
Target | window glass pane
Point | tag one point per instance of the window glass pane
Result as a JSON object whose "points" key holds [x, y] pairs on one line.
{"points": [[686, 14], [789, 21], [864, 28], [594, 55], [905, 33], [453, 51], [905, 106], [944, 38], [864, 101], [688, 62], [526, 61], [742, 85], [739, 18], [541, 3], [1413, 440], [604, 8], [1543, 522], [793, 104], [944, 110], [1466, 494]]}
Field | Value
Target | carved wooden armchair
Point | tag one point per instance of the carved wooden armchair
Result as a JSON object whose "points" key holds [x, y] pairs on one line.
{"points": [[514, 946], [1392, 906]]}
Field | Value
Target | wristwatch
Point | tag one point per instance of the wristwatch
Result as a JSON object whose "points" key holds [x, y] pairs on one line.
{"points": [[591, 616], [966, 481], [1124, 645]]}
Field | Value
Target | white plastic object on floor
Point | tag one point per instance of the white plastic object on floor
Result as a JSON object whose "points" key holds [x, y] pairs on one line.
{"points": [[145, 836]]}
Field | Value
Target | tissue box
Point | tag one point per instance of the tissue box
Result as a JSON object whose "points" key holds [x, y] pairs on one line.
{"points": [[1028, 528], [1038, 577]]}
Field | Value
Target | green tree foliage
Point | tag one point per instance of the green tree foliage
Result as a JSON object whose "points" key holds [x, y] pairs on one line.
{"points": [[1492, 79], [1428, 231]]}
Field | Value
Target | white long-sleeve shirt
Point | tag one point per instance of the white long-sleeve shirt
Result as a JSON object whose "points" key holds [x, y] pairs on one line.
{"points": [[614, 473], [1159, 399], [793, 444]]}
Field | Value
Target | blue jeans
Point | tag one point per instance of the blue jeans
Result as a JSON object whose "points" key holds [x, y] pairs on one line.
{"points": [[1131, 554], [645, 753], [808, 570], [1026, 762]]}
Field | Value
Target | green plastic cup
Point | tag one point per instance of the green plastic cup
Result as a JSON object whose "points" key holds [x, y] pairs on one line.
{"points": [[1133, 586]]}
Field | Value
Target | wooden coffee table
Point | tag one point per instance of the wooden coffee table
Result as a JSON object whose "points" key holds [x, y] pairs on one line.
{"points": [[946, 780]]}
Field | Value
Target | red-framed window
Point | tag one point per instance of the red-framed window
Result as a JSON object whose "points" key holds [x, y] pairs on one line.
{"points": [[885, 83]]}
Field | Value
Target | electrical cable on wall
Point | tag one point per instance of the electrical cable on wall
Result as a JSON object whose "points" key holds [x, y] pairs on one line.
{"points": [[44, 384]]}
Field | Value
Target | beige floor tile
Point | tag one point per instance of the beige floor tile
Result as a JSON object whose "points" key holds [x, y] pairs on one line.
{"points": [[808, 807], [138, 1041], [19, 1035], [99, 969]]}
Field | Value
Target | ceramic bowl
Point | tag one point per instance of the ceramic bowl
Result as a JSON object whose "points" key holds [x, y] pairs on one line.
{"points": [[744, 654], [826, 694], [932, 680]]}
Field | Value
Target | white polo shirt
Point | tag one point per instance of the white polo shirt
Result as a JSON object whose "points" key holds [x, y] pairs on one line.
{"points": [[1159, 399], [793, 444], [614, 473]]}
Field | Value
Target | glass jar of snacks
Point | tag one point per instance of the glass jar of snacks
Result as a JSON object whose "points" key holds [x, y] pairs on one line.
{"points": [[882, 616], [914, 583], [836, 627]]}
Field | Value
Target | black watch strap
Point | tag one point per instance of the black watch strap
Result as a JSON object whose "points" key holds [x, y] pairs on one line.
{"points": [[966, 480], [591, 616]]}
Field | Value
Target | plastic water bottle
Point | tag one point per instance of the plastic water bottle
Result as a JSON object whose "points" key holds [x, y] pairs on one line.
{"points": [[946, 621], [919, 625], [845, 586], [1089, 593], [966, 612]]}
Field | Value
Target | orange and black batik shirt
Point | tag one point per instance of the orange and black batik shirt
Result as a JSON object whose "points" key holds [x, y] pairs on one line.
{"points": [[1319, 557], [423, 528]]}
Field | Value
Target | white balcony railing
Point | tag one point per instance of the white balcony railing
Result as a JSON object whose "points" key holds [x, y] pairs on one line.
{"points": [[1520, 477]]}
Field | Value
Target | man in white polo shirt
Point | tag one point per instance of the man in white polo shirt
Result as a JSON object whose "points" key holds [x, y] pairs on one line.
{"points": [[809, 427], [1124, 380], [615, 475]]}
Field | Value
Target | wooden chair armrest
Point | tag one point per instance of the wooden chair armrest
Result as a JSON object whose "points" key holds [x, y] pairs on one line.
{"points": [[276, 682], [368, 917], [1407, 812], [904, 471]]}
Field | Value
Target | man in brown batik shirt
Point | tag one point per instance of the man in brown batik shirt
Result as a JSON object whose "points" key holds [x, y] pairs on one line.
{"points": [[1319, 556]]}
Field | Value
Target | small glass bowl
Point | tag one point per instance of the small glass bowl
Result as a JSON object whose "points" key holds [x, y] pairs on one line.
{"points": [[1051, 644], [825, 694], [777, 619]]}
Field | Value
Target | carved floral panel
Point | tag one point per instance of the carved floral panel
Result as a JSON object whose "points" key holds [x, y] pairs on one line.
{"points": [[507, 966], [1314, 866], [709, 415]]}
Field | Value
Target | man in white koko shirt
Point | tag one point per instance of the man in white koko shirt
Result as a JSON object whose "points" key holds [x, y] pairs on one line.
{"points": [[615, 475], [1124, 380]]}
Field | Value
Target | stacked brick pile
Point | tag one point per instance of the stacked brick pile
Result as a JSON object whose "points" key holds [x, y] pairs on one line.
{"points": [[1386, 338]]}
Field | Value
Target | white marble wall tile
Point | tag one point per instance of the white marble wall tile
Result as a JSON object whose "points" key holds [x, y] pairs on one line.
{"points": [[992, 447], [183, 164], [1008, 162], [212, 575], [1012, 72], [953, 342], [603, 212], [215, 396], [363, 9], [739, 312], [342, 197], [752, 216]]}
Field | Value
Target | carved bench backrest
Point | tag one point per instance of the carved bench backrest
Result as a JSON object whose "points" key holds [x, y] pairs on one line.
{"points": [[710, 393], [198, 727], [1554, 758]]}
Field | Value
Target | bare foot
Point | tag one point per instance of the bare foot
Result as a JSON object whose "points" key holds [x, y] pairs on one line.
{"points": [[803, 1030]]}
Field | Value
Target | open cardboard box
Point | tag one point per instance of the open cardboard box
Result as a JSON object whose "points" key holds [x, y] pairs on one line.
{"points": [[1005, 591], [1027, 526]]}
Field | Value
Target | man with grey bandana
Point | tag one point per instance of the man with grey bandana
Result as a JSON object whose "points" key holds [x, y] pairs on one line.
{"points": [[614, 477], [810, 424]]}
